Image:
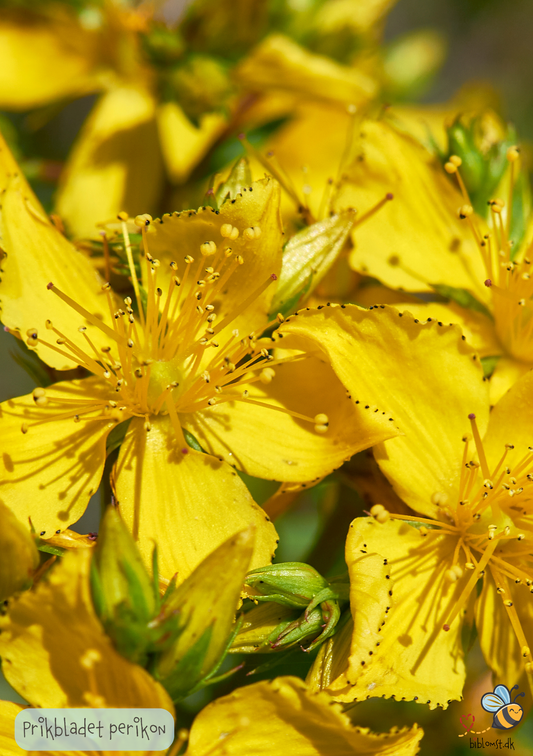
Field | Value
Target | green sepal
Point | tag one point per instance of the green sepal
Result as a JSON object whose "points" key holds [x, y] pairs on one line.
{"points": [[307, 257], [189, 668], [462, 297], [489, 365], [296, 632], [48, 549], [203, 610], [116, 436], [192, 441], [240, 176], [122, 590]]}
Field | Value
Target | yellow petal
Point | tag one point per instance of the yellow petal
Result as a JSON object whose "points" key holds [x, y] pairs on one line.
{"points": [[279, 63], [116, 164], [279, 717], [268, 443], [50, 472], [398, 646], [429, 397], [257, 208], [188, 504], [43, 60], [511, 422], [477, 327], [182, 143], [46, 644], [417, 238], [8, 712], [502, 651], [70, 540], [18, 555], [38, 254], [506, 373]]}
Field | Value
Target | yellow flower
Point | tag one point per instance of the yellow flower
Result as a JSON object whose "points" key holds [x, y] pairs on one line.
{"points": [[56, 654], [282, 716], [174, 366], [429, 239], [468, 476]]}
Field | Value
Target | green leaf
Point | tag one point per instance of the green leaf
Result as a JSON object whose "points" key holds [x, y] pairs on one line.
{"points": [[48, 549], [116, 436], [461, 297], [489, 364], [192, 442]]}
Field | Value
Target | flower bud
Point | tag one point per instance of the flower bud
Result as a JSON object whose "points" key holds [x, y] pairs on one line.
{"points": [[204, 608], [124, 595], [261, 627], [307, 257], [19, 557], [291, 583]]}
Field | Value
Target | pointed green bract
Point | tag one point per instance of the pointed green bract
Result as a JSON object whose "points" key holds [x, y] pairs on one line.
{"points": [[308, 256], [123, 592], [204, 607]]}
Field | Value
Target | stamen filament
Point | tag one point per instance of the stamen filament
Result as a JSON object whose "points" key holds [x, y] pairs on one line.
{"points": [[131, 265], [85, 313], [471, 583], [479, 446]]}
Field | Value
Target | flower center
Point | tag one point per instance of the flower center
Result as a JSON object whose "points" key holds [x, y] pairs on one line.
{"points": [[487, 521], [175, 355]]}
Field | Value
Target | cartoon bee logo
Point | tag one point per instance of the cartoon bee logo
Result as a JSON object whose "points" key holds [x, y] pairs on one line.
{"points": [[507, 714]]}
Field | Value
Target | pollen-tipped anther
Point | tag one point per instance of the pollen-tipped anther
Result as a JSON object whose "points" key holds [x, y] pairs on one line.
{"points": [[379, 513]]}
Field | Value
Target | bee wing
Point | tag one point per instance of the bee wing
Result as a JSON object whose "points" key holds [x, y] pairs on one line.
{"points": [[492, 702], [503, 692]]}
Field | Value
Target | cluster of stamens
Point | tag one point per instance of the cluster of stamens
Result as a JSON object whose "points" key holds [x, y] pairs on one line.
{"points": [[157, 360], [509, 279], [486, 521]]}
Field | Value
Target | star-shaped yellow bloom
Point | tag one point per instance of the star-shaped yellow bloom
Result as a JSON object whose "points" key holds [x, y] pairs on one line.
{"points": [[186, 360], [430, 237], [468, 475]]}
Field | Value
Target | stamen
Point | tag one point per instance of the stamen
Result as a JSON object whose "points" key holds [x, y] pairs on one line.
{"points": [[379, 513], [123, 217], [452, 167], [86, 314], [373, 210], [244, 305], [489, 550], [479, 446]]}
